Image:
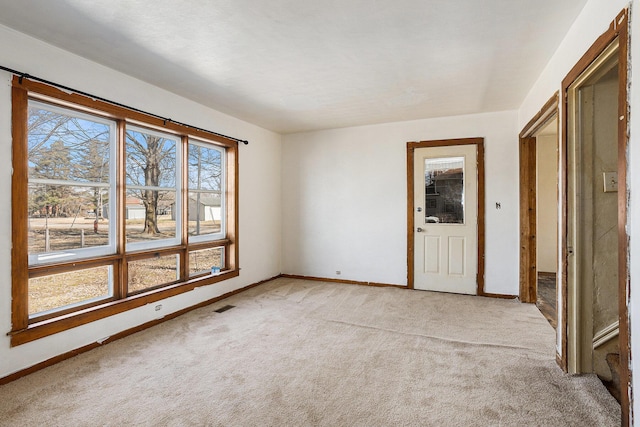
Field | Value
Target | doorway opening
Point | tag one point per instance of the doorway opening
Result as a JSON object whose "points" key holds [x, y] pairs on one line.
{"points": [[592, 232], [539, 210], [594, 280], [547, 220]]}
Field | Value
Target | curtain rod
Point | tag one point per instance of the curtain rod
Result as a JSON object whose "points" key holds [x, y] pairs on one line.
{"points": [[22, 75]]}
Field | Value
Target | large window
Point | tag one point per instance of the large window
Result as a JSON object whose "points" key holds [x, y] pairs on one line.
{"points": [[121, 209]]}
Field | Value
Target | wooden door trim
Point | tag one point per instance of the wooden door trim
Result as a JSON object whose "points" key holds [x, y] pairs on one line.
{"points": [[617, 29], [528, 198], [547, 113], [528, 220], [411, 147]]}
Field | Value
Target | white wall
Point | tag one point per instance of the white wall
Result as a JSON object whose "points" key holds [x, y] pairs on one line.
{"points": [[590, 24], [260, 233], [345, 198]]}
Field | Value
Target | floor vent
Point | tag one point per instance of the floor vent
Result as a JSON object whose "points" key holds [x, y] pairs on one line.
{"points": [[225, 308]]}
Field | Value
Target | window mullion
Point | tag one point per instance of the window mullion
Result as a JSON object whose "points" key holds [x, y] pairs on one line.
{"points": [[120, 275], [184, 195], [232, 177]]}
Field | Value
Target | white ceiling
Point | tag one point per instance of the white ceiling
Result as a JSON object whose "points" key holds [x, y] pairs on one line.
{"points": [[296, 65]]}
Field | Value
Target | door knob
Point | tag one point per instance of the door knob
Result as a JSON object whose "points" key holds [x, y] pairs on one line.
{"points": [[419, 229]]}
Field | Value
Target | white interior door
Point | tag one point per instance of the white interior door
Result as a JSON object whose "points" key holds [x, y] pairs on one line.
{"points": [[446, 219]]}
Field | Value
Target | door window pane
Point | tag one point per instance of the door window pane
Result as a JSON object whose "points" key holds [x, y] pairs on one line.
{"points": [[444, 190]]}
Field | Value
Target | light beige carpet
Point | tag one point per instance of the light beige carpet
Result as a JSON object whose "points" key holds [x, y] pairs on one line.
{"points": [[298, 353]]}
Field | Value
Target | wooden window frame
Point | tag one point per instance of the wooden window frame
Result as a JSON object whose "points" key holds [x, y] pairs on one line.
{"points": [[24, 329]]}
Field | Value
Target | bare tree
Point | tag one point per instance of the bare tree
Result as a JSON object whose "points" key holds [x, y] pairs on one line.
{"points": [[93, 165], [151, 162], [65, 148], [205, 176]]}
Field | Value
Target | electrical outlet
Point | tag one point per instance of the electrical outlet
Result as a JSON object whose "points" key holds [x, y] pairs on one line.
{"points": [[158, 307], [338, 272]]}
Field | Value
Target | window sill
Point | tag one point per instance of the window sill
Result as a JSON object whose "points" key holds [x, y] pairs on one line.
{"points": [[43, 328]]}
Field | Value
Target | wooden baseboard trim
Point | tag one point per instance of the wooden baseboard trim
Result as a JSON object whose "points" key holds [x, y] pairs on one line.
{"points": [[346, 282], [500, 296], [68, 355], [380, 285], [559, 362]]}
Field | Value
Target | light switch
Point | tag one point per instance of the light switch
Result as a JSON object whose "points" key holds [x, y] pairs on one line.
{"points": [[610, 182]]}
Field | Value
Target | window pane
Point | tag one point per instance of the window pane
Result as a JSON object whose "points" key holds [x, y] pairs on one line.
{"points": [[206, 207], [148, 223], [69, 189], [68, 219], [59, 291], [151, 272], [202, 261], [151, 160], [205, 168], [444, 190], [205, 213], [64, 145], [151, 213]]}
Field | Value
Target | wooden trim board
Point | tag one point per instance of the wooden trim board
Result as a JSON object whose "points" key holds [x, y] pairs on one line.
{"points": [[379, 285], [528, 220], [624, 283], [542, 117], [346, 282]]}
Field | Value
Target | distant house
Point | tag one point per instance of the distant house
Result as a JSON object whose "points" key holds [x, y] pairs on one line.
{"points": [[203, 207], [134, 209], [445, 196]]}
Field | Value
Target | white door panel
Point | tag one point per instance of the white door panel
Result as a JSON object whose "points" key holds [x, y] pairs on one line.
{"points": [[456, 255], [431, 254]]}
